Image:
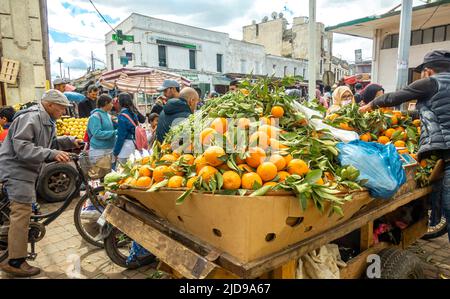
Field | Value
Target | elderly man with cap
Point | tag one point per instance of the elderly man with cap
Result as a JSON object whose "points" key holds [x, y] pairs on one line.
{"points": [[60, 84], [31, 141], [432, 93]]}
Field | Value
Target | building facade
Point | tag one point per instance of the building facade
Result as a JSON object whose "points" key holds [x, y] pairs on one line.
{"points": [[279, 40], [340, 68], [201, 55], [430, 31], [24, 38]]}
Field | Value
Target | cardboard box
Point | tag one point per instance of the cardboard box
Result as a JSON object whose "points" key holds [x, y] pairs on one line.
{"points": [[245, 227]]}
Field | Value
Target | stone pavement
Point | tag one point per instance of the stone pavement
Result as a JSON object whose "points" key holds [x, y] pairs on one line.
{"points": [[62, 248]]}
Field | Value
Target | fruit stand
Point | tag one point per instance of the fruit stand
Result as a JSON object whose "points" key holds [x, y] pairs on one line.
{"points": [[251, 183]]}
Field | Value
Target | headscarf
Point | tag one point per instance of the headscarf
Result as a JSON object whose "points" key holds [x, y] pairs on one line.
{"points": [[337, 98], [370, 92]]}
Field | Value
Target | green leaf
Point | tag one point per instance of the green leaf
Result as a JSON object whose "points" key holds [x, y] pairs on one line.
{"points": [[412, 133], [256, 185], [313, 176], [227, 192], [328, 196], [158, 186], [183, 196], [303, 201], [338, 210], [261, 191], [396, 136], [242, 192], [219, 179]]}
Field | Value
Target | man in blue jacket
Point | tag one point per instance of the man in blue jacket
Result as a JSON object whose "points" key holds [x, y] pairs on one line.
{"points": [[176, 110]]}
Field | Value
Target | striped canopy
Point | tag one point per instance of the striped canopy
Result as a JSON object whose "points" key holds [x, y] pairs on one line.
{"points": [[137, 80]]}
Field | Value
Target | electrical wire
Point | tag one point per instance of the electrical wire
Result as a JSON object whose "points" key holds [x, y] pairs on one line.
{"points": [[102, 16], [432, 15]]}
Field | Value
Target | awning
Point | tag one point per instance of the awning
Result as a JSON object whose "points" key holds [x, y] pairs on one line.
{"points": [[137, 80], [221, 80]]}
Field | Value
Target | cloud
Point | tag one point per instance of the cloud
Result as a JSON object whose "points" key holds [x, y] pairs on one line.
{"points": [[78, 64]]}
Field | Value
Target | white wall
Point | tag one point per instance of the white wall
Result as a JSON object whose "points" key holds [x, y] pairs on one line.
{"points": [[387, 64], [281, 63], [250, 54]]}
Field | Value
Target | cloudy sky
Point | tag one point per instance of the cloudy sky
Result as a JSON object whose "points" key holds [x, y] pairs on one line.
{"points": [[76, 29]]}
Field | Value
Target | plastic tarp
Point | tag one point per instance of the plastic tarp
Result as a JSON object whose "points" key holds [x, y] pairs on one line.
{"points": [[74, 96], [316, 120]]}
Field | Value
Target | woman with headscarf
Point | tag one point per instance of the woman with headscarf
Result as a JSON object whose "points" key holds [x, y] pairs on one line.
{"points": [[370, 93], [342, 96]]}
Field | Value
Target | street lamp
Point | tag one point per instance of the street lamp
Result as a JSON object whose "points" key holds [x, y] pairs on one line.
{"points": [[60, 61]]}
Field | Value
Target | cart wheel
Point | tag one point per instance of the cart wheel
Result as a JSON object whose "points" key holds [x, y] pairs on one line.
{"points": [[57, 181], [400, 264], [117, 246]]}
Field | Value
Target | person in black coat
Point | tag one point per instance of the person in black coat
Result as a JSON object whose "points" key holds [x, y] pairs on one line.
{"points": [[86, 106]]}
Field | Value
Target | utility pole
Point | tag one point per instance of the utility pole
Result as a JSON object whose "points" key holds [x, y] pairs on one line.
{"points": [[404, 44], [92, 61], [312, 50], [60, 61], [68, 71]]}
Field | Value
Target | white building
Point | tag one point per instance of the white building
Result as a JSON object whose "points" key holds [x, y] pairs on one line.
{"points": [[339, 68], [201, 55], [430, 31]]}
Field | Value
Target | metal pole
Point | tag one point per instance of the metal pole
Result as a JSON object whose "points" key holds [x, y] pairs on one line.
{"points": [[404, 44], [312, 63]]}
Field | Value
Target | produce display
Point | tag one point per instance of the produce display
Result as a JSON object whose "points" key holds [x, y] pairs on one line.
{"points": [[245, 143], [71, 127]]}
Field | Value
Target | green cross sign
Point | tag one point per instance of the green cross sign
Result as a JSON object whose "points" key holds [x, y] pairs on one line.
{"points": [[119, 37]]}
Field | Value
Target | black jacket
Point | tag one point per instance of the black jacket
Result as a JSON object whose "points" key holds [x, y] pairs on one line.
{"points": [[85, 107], [433, 102], [174, 111]]}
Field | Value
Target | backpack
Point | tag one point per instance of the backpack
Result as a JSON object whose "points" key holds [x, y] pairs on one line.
{"points": [[140, 136], [86, 137]]}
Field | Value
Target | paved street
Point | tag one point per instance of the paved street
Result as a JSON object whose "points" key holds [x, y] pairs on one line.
{"points": [[62, 246]]}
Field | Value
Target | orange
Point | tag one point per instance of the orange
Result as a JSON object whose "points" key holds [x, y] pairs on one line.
{"points": [[175, 182], [399, 143], [366, 137], [144, 182], [394, 120], [419, 130], [298, 166], [383, 140], [145, 160], [190, 183], [423, 163], [212, 155], [177, 153], [199, 163], [400, 129], [145, 171], [271, 184], [259, 139], [276, 144], [130, 181], [288, 158], [176, 170], [279, 161], [166, 146], [220, 125], [160, 172], [271, 131], [277, 111], [168, 158], [329, 176], [416, 122], [397, 113], [207, 173], [187, 158], [283, 175], [207, 135], [249, 179], [245, 168], [224, 167], [231, 180], [267, 171], [403, 151], [345, 126], [389, 132], [333, 116], [320, 182], [243, 123], [404, 136], [257, 156], [414, 156], [239, 161]]}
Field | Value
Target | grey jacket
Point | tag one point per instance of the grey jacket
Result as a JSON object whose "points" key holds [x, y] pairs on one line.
{"points": [[435, 117], [31, 141]]}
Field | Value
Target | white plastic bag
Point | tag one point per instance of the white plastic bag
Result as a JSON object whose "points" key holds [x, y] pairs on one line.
{"points": [[342, 135], [323, 263]]}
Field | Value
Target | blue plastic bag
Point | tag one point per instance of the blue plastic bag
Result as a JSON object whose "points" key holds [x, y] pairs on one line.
{"points": [[379, 164]]}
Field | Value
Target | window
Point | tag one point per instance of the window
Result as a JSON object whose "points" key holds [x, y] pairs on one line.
{"points": [[439, 34], [274, 69], [112, 61], [192, 65], [416, 37], [304, 73], [387, 42], [448, 33], [321, 66], [257, 29], [243, 66], [219, 62], [428, 36], [295, 71], [395, 38], [162, 56], [285, 71]]}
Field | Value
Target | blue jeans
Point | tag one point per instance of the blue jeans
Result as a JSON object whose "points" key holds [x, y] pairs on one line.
{"points": [[440, 199]]}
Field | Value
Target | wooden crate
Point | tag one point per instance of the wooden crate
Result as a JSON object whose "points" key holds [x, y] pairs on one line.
{"points": [[246, 228], [410, 184], [9, 71]]}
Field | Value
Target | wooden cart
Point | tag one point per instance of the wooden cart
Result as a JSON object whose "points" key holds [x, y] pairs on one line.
{"points": [[184, 255]]}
